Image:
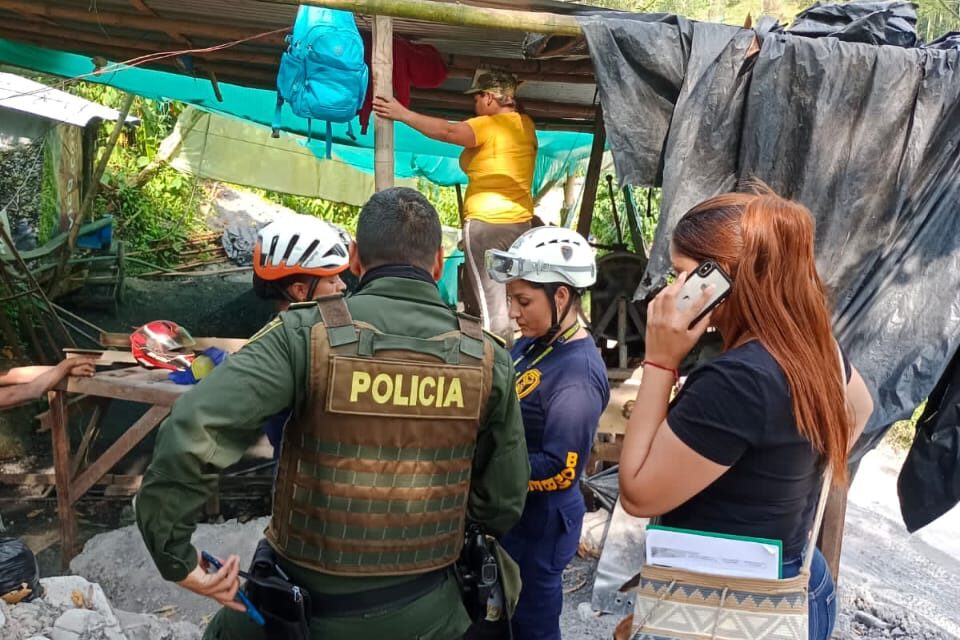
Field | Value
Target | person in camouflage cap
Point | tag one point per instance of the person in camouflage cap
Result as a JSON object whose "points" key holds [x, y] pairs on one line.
{"points": [[500, 152], [502, 85]]}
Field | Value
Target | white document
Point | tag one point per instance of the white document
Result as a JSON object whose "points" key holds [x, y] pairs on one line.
{"points": [[718, 554]]}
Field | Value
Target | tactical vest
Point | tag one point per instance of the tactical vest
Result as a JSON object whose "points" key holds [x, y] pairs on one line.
{"points": [[374, 472]]}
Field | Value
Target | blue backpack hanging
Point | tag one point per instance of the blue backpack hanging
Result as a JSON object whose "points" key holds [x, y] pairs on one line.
{"points": [[322, 73]]}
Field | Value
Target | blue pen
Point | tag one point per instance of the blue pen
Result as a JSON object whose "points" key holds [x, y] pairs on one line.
{"points": [[255, 615]]}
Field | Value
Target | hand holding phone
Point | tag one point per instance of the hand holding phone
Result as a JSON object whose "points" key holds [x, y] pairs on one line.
{"points": [[706, 274]]}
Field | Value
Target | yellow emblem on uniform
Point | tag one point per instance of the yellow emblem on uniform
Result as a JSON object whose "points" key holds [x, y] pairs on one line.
{"points": [[527, 382], [267, 328]]}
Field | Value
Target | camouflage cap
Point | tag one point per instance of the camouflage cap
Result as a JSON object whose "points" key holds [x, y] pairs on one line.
{"points": [[499, 83]]}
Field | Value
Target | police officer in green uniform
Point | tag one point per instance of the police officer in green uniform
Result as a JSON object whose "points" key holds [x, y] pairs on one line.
{"points": [[405, 425]]}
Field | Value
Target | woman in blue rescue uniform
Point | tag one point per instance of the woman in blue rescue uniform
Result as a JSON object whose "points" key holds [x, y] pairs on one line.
{"points": [[562, 386]]}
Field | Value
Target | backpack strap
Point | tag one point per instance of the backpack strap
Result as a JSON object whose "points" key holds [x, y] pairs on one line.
{"points": [[471, 340], [337, 319], [329, 140], [277, 112]]}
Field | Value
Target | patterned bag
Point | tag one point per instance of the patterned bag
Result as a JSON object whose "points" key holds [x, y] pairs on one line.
{"points": [[675, 604]]}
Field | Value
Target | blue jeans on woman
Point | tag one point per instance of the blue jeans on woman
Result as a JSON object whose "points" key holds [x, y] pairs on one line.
{"points": [[823, 595]]}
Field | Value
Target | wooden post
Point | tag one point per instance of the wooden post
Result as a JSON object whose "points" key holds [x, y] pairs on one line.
{"points": [[593, 175], [382, 63], [61, 465], [69, 168], [87, 205], [569, 199], [460, 209]]}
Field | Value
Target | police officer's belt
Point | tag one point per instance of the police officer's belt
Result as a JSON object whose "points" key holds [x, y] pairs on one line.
{"points": [[346, 605]]}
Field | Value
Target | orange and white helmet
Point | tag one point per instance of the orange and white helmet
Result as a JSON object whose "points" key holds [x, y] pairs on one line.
{"points": [[300, 245]]}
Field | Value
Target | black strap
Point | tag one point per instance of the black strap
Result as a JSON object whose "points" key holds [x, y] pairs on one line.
{"points": [[337, 319], [471, 335], [345, 605]]}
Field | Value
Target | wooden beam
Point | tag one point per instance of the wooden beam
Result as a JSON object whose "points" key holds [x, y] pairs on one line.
{"points": [[46, 36], [563, 78], [117, 450], [533, 107], [61, 464], [543, 123], [47, 479], [593, 175], [87, 205], [455, 14], [382, 68], [575, 67], [230, 345], [100, 19], [142, 7]]}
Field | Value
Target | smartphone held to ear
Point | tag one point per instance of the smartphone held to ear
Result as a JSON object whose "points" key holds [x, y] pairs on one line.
{"points": [[708, 273]]}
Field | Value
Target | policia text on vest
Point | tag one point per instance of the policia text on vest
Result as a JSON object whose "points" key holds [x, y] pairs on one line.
{"points": [[399, 390]]}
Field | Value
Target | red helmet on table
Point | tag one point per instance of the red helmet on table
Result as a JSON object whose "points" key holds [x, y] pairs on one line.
{"points": [[162, 344]]}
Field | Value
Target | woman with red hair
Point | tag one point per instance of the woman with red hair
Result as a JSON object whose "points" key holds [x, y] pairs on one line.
{"points": [[743, 447]]}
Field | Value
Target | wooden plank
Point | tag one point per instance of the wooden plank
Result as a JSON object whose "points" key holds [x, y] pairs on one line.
{"points": [[230, 345], [831, 535], [46, 418], [47, 479], [521, 67], [454, 13], [89, 436], [213, 30], [127, 47], [61, 464], [104, 357], [593, 175], [132, 383], [382, 67], [536, 108], [608, 451], [121, 447]]}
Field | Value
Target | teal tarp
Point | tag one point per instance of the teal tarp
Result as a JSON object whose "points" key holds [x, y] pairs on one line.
{"points": [[416, 155]]}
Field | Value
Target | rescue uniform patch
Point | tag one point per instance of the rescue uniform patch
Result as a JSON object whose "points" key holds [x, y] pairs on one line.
{"points": [[527, 382]]}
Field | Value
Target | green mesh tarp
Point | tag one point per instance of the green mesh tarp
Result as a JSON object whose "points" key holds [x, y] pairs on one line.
{"points": [[416, 155]]}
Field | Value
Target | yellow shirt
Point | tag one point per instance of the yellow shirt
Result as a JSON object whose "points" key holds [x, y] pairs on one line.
{"points": [[500, 168]]}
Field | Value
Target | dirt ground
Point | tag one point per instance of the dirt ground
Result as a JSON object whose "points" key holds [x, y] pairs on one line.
{"points": [[892, 584]]}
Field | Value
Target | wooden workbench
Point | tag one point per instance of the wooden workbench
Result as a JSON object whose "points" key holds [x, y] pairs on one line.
{"points": [[134, 384]]}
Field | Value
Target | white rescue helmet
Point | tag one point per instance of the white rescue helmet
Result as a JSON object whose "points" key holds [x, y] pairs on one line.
{"points": [[545, 255], [303, 245]]}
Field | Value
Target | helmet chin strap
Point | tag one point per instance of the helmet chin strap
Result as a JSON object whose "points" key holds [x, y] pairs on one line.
{"points": [[311, 290], [554, 331]]}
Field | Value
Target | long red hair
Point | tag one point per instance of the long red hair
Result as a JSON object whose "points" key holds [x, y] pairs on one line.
{"points": [[765, 243]]}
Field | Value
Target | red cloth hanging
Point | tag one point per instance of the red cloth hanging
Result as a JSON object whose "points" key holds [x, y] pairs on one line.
{"points": [[414, 65]]}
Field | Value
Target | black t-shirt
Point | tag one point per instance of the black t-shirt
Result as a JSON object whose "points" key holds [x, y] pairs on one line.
{"points": [[736, 411]]}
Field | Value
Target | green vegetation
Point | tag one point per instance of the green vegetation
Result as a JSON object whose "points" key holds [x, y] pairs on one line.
{"points": [[934, 17], [901, 434]]}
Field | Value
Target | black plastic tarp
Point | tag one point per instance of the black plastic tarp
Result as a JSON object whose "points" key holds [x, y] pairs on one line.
{"points": [[926, 486], [866, 136]]}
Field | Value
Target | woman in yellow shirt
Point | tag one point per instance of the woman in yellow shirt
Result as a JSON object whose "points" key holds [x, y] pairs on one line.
{"points": [[500, 152]]}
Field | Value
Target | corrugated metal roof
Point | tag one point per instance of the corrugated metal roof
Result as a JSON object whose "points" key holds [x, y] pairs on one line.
{"points": [[22, 94], [252, 63]]}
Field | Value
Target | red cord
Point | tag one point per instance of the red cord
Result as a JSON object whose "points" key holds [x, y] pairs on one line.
{"points": [[675, 372]]}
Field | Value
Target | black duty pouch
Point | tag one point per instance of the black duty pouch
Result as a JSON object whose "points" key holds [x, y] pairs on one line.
{"points": [[285, 606]]}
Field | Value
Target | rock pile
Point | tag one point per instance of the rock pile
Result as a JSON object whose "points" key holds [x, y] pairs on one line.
{"points": [[74, 609]]}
